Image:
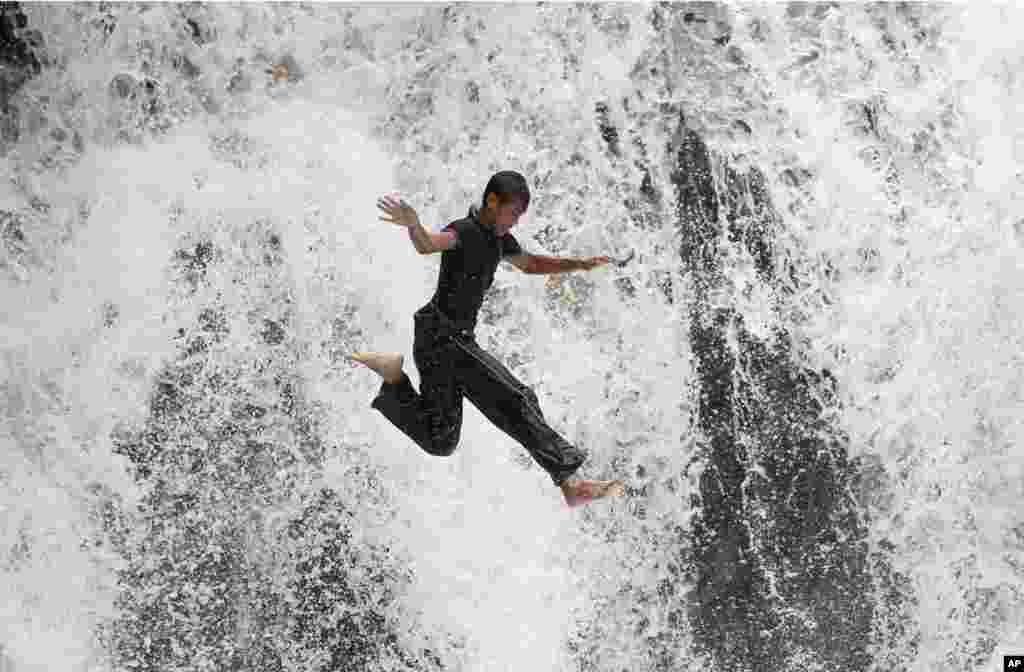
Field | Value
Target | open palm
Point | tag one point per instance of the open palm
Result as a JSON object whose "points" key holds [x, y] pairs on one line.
{"points": [[397, 211]]}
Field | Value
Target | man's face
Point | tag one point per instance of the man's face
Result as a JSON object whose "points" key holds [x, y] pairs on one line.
{"points": [[507, 215]]}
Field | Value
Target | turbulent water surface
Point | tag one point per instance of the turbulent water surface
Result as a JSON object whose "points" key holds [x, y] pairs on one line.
{"points": [[809, 369]]}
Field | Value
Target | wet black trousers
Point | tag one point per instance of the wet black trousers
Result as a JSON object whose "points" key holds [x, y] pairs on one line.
{"points": [[453, 365]]}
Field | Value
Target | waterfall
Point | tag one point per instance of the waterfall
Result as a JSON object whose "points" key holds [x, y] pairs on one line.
{"points": [[807, 369]]}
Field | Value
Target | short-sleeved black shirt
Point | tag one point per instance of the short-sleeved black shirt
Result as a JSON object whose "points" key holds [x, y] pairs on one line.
{"points": [[467, 270]]}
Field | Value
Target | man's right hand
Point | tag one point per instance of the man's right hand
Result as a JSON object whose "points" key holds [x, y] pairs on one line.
{"points": [[397, 210]]}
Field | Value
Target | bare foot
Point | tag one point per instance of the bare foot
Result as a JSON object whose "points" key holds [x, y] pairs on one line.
{"points": [[578, 491], [387, 364]]}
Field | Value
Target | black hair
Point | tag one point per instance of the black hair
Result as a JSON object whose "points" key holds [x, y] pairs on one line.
{"points": [[506, 185]]}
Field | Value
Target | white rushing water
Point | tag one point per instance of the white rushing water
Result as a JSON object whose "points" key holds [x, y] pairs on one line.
{"points": [[915, 207]]}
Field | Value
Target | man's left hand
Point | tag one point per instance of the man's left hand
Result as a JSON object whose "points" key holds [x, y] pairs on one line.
{"points": [[593, 262]]}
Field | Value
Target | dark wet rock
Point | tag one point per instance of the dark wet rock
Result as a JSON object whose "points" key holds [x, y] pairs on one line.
{"points": [[815, 10], [815, 537], [110, 312], [194, 31], [19, 49], [334, 616], [193, 567], [104, 19], [235, 562], [199, 29], [123, 86], [194, 263], [273, 333], [39, 205], [696, 211], [10, 124], [213, 321], [12, 230], [186, 67], [777, 558], [787, 523], [663, 281], [345, 337], [626, 287], [608, 131], [152, 103], [648, 190], [240, 81], [609, 21], [751, 218], [866, 116], [795, 177], [734, 55]]}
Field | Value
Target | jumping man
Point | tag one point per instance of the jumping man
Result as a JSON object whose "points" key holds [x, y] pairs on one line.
{"points": [[451, 363]]}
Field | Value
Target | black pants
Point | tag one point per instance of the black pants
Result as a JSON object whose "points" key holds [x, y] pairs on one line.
{"points": [[452, 364]]}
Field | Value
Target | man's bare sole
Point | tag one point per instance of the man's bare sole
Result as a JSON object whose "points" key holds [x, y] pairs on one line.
{"points": [[387, 364], [577, 491]]}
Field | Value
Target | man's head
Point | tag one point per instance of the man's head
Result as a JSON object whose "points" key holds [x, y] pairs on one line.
{"points": [[506, 198]]}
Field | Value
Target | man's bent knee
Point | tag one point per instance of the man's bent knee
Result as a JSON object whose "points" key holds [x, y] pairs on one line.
{"points": [[441, 448], [442, 444]]}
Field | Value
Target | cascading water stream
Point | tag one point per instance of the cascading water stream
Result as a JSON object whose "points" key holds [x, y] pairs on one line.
{"points": [[808, 369]]}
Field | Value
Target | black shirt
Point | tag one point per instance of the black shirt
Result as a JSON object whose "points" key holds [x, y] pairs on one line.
{"points": [[467, 270]]}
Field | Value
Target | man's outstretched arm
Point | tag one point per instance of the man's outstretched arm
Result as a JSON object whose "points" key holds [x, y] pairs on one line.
{"points": [[539, 264]]}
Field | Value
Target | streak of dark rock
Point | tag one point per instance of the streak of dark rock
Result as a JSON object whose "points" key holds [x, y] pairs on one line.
{"points": [[236, 561], [608, 131], [779, 558], [776, 561], [350, 639], [729, 607], [751, 218], [20, 48]]}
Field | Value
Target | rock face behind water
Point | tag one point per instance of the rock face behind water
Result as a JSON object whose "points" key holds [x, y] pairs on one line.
{"points": [[779, 555], [238, 557], [18, 63], [776, 563]]}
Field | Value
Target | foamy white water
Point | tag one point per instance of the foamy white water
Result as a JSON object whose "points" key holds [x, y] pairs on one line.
{"points": [[902, 228]]}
